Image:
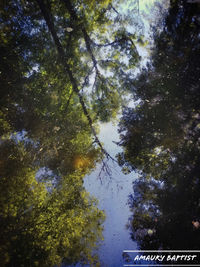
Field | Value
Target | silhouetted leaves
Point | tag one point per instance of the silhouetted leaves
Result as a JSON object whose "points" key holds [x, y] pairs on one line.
{"points": [[161, 137]]}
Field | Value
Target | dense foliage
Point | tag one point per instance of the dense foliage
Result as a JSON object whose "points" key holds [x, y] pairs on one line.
{"points": [[161, 137], [40, 224], [64, 66]]}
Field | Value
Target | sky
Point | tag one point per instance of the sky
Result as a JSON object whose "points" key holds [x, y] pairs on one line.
{"points": [[113, 192]]}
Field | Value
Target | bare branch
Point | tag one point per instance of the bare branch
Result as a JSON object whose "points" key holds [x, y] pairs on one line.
{"points": [[105, 169], [95, 80], [105, 45], [113, 8], [87, 78]]}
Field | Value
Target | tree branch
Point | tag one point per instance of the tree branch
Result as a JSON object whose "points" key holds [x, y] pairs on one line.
{"points": [[49, 21], [114, 9], [85, 34]]}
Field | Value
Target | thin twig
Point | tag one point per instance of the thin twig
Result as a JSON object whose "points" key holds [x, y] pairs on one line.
{"points": [[114, 9], [87, 78]]}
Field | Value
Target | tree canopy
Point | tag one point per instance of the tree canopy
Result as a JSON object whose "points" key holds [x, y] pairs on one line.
{"points": [[64, 67], [42, 225], [160, 137]]}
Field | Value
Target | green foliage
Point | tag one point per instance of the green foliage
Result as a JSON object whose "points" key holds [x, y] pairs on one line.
{"points": [[42, 224], [64, 65]]}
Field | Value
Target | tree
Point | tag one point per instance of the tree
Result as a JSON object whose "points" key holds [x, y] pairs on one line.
{"points": [[62, 71], [53, 83], [168, 93], [160, 137], [42, 225]]}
